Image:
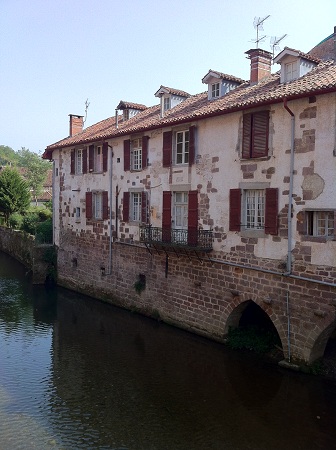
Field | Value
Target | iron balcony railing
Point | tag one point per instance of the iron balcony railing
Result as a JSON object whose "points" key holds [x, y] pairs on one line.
{"points": [[197, 239]]}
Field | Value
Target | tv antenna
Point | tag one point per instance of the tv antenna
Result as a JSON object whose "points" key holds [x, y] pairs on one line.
{"points": [[275, 43], [87, 104], [258, 24]]}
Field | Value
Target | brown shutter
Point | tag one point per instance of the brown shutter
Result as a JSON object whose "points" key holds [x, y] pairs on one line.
{"points": [[85, 160], [88, 205], [271, 211], [235, 210], [167, 148], [144, 208], [260, 134], [126, 206], [105, 156], [247, 126], [192, 217], [127, 154], [144, 153], [166, 216], [73, 159], [105, 205], [191, 145], [91, 158]]}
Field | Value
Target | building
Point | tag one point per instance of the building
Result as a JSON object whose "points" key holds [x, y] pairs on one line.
{"points": [[204, 206]]}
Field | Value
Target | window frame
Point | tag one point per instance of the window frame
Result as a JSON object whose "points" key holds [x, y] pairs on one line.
{"points": [[252, 203], [184, 144], [135, 207], [136, 154], [166, 103], [255, 135], [215, 90], [312, 224], [293, 73], [98, 159], [79, 156]]}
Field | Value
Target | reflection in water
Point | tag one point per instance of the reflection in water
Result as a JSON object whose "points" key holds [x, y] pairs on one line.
{"points": [[79, 374]]}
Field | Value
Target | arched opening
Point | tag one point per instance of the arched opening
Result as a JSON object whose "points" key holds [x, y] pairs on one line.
{"points": [[249, 327], [324, 349]]}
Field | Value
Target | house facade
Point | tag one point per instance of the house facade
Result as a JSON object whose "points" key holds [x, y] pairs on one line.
{"points": [[201, 206]]}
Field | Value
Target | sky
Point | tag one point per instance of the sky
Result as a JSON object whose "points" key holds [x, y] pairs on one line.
{"points": [[54, 55]]}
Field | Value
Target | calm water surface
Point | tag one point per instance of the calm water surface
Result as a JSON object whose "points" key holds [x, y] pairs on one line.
{"points": [[79, 374]]}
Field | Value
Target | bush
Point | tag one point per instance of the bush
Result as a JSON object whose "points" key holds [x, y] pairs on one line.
{"points": [[15, 221], [30, 222], [44, 232]]}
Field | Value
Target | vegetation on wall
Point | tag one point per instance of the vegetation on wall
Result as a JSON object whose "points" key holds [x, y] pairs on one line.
{"points": [[14, 193]]}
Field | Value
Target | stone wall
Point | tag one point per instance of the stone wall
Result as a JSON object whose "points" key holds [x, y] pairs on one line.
{"points": [[206, 297], [21, 246]]}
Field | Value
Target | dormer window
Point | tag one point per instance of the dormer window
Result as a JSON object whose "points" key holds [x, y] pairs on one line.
{"points": [[294, 64], [215, 90], [129, 109], [291, 71], [126, 114], [169, 98], [166, 103]]}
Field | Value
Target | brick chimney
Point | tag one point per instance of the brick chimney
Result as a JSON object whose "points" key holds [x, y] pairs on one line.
{"points": [[76, 124], [260, 64]]}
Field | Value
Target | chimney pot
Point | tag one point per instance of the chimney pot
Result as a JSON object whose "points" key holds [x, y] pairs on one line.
{"points": [[76, 124], [260, 64]]}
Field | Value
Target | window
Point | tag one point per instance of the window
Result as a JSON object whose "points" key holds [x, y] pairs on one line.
{"points": [[291, 71], [79, 161], [126, 114], [255, 135], [135, 208], [320, 223], [136, 154], [166, 103], [96, 205], [135, 211], [254, 209], [215, 90], [98, 159], [78, 214], [182, 147]]}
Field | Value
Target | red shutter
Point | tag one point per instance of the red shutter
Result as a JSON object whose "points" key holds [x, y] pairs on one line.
{"points": [[105, 156], [85, 160], [166, 216], [91, 158], [73, 159], [88, 205], [167, 148], [235, 210], [271, 211], [144, 151], [247, 126], [144, 208], [192, 217], [126, 206], [260, 122], [191, 145], [105, 205], [127, 155]]}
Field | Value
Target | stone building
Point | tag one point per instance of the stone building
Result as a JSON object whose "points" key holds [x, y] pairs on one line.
{"points": [[207, 206]]}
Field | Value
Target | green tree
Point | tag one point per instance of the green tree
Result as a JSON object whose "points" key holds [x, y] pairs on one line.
{"points": [[8, 156], [14, 193], [36, 170]]}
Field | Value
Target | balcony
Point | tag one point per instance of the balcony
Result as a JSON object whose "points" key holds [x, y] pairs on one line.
{"points": [[196, 240]]}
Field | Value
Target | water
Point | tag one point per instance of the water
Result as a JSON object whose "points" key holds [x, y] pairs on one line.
{"points": [[79, 374]]}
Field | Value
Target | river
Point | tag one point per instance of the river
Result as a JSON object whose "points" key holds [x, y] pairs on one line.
{"points": [[76, 373]]}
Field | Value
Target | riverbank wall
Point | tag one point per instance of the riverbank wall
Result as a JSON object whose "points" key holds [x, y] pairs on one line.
{"points": [[23, 247]]}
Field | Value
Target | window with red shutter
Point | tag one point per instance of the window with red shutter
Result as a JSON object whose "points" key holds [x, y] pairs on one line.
{"points": [[105, 156], [144, 208], [167, 148], [73, 160], [271, 211], [85, 160], [192, 217], [91, 158], [191, 145], [105, 205], [88, 205], [144, 155], [127, 155], [255, 135], [126, 206], [235, 210], [166, 216]]}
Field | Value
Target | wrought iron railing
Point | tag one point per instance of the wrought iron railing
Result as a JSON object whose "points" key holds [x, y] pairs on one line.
{"points": [[195, 238]]}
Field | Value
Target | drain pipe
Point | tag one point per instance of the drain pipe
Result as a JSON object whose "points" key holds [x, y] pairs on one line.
{"points": [[110, 204], [290, 195], [288, 328]]}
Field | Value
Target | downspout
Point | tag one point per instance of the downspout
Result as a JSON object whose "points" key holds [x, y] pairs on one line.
{"points": [[53, 201], [290, 195], [110, 154]]}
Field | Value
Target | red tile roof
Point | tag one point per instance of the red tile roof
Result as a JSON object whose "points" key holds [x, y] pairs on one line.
{"points": [[173, 91], [130, 105], [223, 76], [321, 79]]}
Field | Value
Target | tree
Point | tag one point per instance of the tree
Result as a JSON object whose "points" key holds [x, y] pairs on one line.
{"points": [[14, 193], [36, 170], [8, 156]]}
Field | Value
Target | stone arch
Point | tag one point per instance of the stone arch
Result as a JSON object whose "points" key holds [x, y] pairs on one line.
{"points": [[237, 308], [316, 350]]}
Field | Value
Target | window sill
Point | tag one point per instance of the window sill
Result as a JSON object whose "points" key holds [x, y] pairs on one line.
{"points": [[252, 233], [320, 239], [256, 158]]}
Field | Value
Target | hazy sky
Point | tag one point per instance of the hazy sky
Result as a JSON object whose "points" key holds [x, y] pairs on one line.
{"points": [[55, 54]]}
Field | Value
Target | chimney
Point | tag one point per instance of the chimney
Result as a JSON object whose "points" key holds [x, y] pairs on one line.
{"points": [[260, 64], [76, 124]]}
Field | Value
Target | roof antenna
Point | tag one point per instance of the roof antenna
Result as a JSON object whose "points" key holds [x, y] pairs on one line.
{"points": [[275, 43], [87, 104], [258, 24]]}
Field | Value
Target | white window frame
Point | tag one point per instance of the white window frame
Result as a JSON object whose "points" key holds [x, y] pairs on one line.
{"points": [[78, 214], [291, 71], [254, 202], [135, 213], [166, 103], [320, 223], [182, 147], [79, 161], [98, 159], [136, 154], [97, 205], [215, 90]]}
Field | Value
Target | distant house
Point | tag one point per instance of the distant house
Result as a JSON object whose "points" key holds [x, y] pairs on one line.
{"points": [[213, 205]]}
